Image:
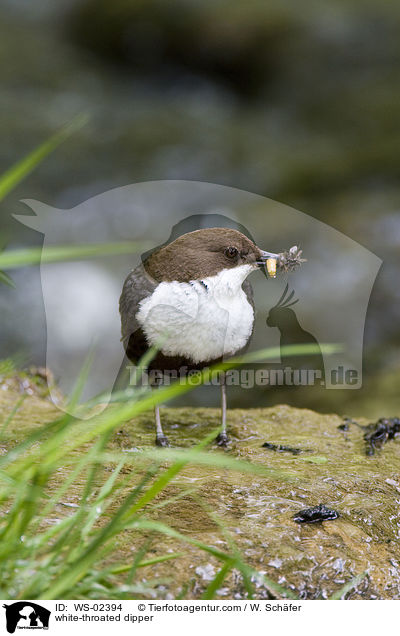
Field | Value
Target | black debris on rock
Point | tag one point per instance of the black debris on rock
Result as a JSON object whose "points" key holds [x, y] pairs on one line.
{"points": [[376, 435], [282, 448], [316, 514], [346, 423]]}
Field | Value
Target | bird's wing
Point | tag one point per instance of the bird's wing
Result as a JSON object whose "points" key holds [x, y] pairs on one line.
{"points": [[137, 286], [248, 290]]}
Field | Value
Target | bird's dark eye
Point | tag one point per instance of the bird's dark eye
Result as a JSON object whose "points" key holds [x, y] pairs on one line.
{"points": [[231, 252]]}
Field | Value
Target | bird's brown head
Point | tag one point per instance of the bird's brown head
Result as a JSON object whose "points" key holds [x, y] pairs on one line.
{"points": [[203, 253]]}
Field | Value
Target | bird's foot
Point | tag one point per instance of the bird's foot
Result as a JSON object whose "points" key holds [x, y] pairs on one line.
{"points": [[162, 440], [222, 439]]}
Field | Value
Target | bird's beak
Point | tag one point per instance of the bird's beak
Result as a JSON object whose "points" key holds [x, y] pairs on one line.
{"points": [[267, 263]]}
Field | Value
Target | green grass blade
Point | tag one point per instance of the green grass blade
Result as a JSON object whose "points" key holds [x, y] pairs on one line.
{"points": [[137, 559], [208, 458], [17, 453], [14, 410], [167, 502], [162, 528], [6, 280], [340, 594], [12, 259], [80, 381], [88, 555], [167, 476], [14, 175], [218, 580], [73, 558], [143, 564], [277, 590], [104, 492], [114, 416], [7, 367]]}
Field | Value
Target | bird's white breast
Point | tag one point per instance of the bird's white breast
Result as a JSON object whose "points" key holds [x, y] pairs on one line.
{"points": [[200, 320]]}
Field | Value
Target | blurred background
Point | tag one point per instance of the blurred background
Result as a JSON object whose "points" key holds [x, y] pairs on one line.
{"points": [[296, 102]]}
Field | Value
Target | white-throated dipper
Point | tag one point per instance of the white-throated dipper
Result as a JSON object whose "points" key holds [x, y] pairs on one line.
{"points": [[191, 299]]}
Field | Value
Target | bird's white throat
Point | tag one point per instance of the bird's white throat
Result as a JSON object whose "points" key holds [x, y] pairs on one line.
{"points": [[201, 320]]}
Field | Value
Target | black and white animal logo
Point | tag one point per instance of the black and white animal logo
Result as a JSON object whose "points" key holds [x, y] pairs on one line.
{"points": [[26, 615]]}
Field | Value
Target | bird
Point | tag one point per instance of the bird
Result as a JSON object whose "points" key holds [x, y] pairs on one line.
{"points": [[191, 300]]}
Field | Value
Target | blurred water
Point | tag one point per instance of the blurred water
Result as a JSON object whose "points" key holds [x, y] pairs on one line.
{"points": [[317, 128]]}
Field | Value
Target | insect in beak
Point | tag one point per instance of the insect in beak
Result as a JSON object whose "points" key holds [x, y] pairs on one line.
{"points": [[271, 267], [287, 261], [268, 263]]}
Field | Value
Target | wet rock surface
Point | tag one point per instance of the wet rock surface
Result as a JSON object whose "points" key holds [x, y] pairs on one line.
{"points": [[309, 560]]}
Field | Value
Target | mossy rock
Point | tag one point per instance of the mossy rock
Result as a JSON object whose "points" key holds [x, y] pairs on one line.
{"points": [[311, 561]]}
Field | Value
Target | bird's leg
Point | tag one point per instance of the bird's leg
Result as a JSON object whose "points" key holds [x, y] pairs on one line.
{"points": [[223, 439], [161, 439]]}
